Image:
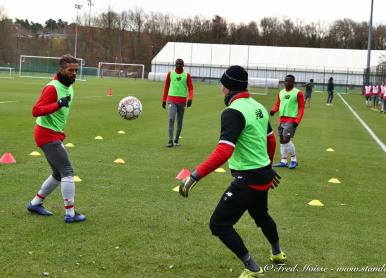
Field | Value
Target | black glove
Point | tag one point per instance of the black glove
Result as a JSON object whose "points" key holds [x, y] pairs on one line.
{"points": [[187, 184], [295, 125], [189, 103], [271, 113], [64, 101], [164, 104], [275, 180]]}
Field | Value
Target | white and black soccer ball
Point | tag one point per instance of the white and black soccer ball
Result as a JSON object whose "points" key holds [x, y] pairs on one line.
{"points": [[129, 108]]}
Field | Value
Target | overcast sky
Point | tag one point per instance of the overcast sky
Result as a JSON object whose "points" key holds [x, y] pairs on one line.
{"points": [[325, 11]]}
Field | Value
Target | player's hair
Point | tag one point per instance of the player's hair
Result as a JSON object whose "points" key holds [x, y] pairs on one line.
{"points": [[291, 76], [311, 80], [67, 59], [179, 61]]}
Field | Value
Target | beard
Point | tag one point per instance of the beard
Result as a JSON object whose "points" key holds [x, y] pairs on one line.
{"points": [[66, 80]]}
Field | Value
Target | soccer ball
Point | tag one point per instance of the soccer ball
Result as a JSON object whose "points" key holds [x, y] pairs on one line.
{"points": [[129, 108]]}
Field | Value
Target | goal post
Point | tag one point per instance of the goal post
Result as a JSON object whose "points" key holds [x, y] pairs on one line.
{"points": [[7, 72], [260, 85], [121, 70], [44, 67]]}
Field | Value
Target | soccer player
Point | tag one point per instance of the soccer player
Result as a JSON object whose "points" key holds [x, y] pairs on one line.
{"points": [[52, 110], [309, 86], [330, 91], [383, 97], [367, 93], [248, 142], [290, 104], [375, 95], [178, 85]]}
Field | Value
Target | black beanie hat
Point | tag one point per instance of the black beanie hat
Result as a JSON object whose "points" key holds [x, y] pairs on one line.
{"points": [[235, 78]]}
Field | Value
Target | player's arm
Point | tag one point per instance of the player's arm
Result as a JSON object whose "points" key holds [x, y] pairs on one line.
{"points": [[276, 106], [166, 88], [47, 102], [190, 89], [232, 124], [271, 143], [190, 86], [300, 98]]}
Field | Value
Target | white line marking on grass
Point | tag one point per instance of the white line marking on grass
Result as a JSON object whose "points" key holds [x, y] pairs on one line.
{"points": [[376, 139], [2, 102]]}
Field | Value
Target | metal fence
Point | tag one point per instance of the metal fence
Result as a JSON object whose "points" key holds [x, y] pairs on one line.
{"points": [[346, 80], [375, 74]]}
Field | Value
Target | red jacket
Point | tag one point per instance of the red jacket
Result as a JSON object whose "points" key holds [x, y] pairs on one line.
{"points": [[45, 105]]}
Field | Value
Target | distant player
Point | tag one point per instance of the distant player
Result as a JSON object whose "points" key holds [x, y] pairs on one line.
{"points": [[367, 94], [178, 88], [381, 94], [309, 87], [383, 104], [290, 104], [375, 95], [330, 91], [248, 143], [52, 110]]}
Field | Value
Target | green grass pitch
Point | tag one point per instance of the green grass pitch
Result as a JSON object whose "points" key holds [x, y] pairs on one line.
{"points": [[138, 227]]}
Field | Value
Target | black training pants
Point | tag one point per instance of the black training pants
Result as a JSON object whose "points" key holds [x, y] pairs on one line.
{"points": [[237, 199]]}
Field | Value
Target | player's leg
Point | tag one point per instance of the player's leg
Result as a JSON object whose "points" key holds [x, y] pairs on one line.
{"points": [[49, 185], [58, 157], [290, 131], [258, 209], [228, 211], [180, 118], [172, 108], [283, 148]]}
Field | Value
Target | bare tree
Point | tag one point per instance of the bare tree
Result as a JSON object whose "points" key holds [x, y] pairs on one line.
{"points": [[137, 19], [219, 30], [123, 23]]}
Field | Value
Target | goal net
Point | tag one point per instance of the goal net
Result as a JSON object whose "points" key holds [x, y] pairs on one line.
{"points": [[7, 72], [44, 67], [120, 70]]}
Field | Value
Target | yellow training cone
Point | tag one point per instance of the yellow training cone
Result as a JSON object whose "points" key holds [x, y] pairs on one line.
{"points": [[119, 161], [220, 170], [70, 145], [330, 150], [334, 180], [177, 188], [316, 203], [35, 153], [77, 179], [121, 132], [98, 138]]}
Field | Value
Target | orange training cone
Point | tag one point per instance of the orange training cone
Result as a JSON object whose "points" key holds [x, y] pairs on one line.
{"points": [[7, 158], [110, 93]]}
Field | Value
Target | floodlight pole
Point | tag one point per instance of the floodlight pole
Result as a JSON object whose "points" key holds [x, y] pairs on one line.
{"points": [[77, 7], [369, 44], [90, 4]]}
